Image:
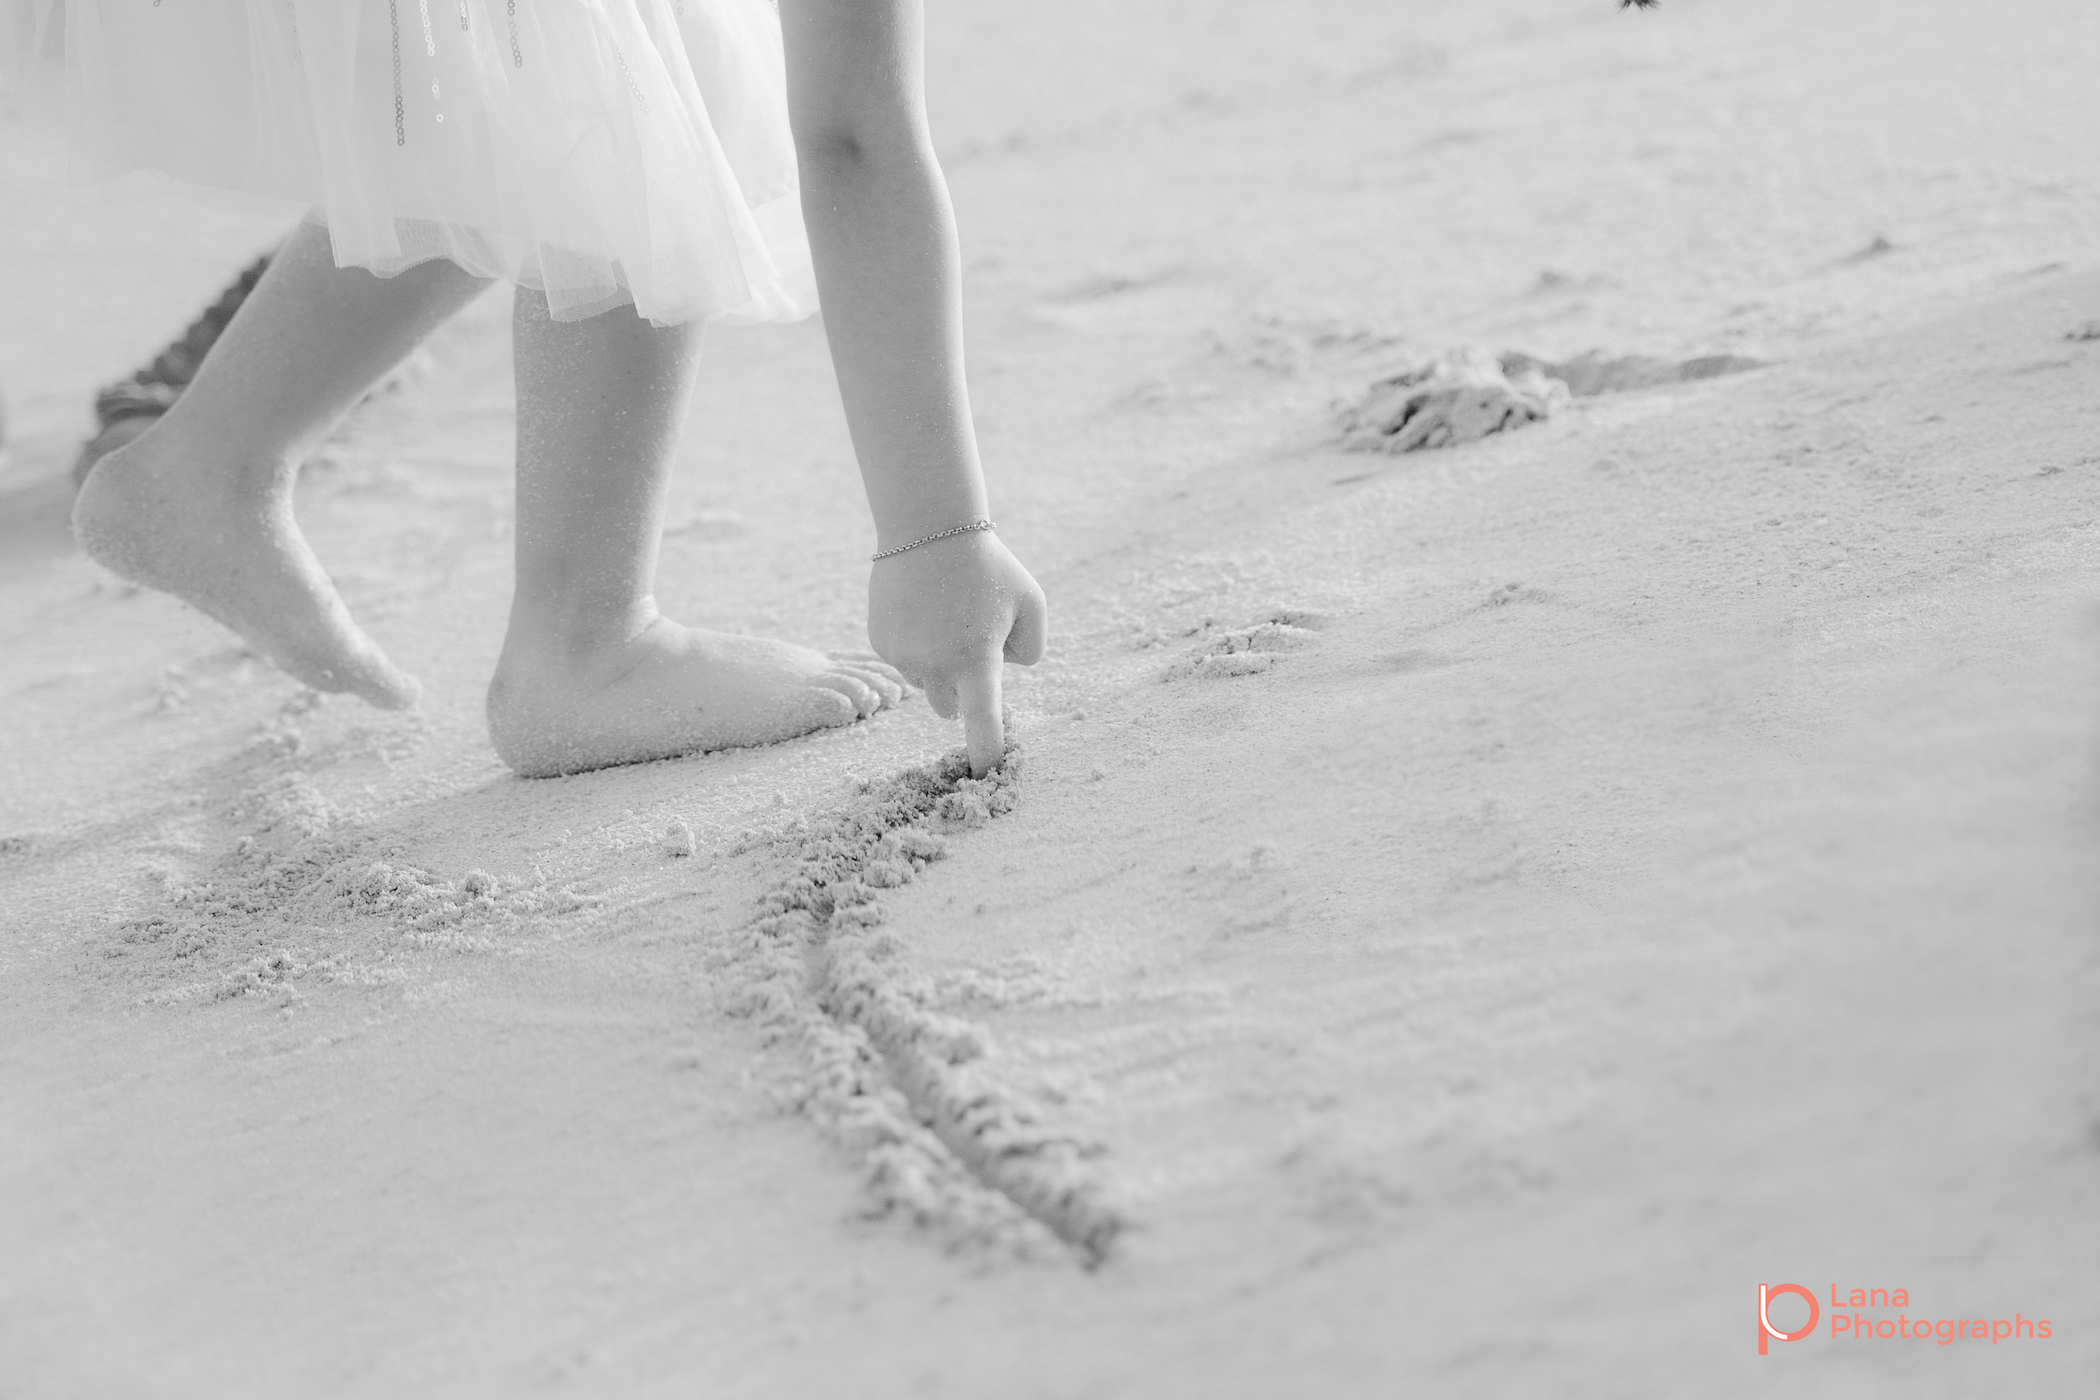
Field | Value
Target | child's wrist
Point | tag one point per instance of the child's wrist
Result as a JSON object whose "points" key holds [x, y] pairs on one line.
{"points": [[886, 550], [921, 514]]}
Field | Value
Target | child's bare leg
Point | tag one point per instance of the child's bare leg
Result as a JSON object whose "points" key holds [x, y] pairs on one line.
{"points": [[591, 674], [201, 504]]}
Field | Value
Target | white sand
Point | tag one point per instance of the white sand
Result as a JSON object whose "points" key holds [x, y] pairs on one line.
{"points": [[1659, 859]]}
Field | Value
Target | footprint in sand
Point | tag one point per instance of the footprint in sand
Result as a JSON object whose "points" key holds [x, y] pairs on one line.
{"points": [[1455, 398], [1470, 393], [1593, 373], [1248, 651]]}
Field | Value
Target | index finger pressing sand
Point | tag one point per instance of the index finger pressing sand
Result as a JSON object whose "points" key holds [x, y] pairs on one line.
{"points": [[984, 724]]}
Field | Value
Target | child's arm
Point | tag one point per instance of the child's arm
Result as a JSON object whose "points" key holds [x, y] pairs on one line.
{"points": [[883, 236]]}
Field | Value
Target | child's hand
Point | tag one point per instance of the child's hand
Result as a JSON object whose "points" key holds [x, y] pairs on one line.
{"points": [[946, 614]]}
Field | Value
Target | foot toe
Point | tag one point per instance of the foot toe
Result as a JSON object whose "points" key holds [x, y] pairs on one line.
{"points": [[393, 690], [882, 668], [887, 685], [869, 661], [361, 669], [377, 680], [863, 696], [831, 705]]}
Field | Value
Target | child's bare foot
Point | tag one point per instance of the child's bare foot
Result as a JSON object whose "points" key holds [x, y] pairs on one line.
{"points": [[669, 690], [234, 553]]}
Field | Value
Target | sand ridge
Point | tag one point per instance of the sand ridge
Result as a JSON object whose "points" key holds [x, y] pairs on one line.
{"points": [[901, 1085]]}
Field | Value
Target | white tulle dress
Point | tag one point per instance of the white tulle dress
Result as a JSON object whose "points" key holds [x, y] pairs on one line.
{"points": [[603, 151]]}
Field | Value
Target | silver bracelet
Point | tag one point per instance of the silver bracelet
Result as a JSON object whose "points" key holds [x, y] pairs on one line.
{"points": [[958, 530]]}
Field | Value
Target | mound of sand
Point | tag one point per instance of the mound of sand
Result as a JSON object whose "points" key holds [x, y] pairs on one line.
{"points": [[1458, 397]]}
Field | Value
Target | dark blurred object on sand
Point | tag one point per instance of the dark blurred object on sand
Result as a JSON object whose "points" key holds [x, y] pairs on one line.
{"points": [[128, 407]]}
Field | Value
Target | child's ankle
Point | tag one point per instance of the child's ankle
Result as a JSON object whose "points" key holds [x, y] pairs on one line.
{"points": [[169, 451], [567, 631]]}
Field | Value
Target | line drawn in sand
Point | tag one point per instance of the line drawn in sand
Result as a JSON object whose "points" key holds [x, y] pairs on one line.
{"points": [[904, 1087], [263, 883], [907, 1088]]}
